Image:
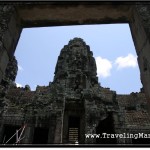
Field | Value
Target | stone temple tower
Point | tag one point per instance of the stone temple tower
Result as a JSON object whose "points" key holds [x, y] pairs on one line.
{"points": [[76, 71], [76, 67], [84, 103]]}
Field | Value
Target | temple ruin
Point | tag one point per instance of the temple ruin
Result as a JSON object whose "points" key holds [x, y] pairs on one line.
{"points": [[71, 106], [74, 103]]}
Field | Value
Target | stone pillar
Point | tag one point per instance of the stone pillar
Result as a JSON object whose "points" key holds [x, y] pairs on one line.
{"points": [[58, 129], [140, 29], [9, 34], [143, 45], [51, 132]]}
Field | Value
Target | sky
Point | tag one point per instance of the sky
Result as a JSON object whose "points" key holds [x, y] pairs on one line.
{"points": [[112, 45]]}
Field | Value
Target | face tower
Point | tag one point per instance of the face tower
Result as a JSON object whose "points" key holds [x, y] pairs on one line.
{"points": [[76, 67]]}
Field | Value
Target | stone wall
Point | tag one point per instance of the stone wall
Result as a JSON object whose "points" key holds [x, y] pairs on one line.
{"points": [[133, 114]]}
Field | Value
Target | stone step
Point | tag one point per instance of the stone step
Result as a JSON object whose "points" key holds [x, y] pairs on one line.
{"points": [[73, 135]]}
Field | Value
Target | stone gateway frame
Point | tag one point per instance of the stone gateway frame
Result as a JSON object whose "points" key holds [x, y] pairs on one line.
{"points": [[16, 16]]}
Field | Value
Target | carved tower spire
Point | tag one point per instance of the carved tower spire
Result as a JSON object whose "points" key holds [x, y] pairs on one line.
{"points": [[76, 67]]}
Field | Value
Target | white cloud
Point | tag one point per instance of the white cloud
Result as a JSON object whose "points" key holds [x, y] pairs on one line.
{"points": [[20, 68], [129, 61], [18, 85], [103, 67]]}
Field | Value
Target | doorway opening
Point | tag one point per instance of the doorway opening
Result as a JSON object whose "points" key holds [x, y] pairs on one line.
{"points": [[106, 126], [74, 129], [40, 135], [9, 136]]}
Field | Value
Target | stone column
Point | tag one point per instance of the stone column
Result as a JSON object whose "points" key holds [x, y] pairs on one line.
{"points": [[140, 29], [58, 129], [143, 13], [51, 132]]}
